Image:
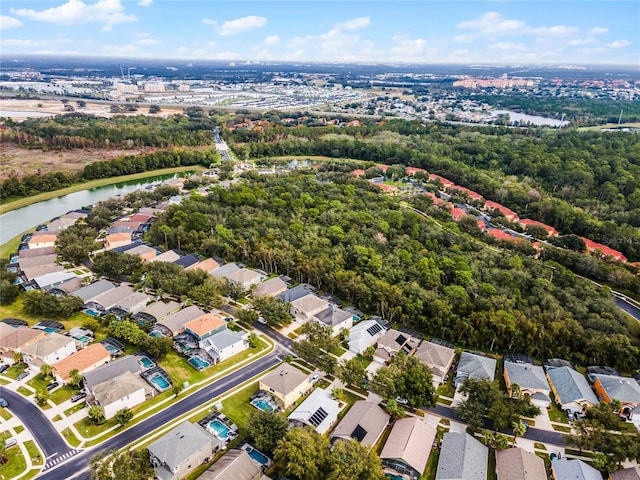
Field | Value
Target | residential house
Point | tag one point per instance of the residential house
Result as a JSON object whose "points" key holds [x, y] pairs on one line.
{"points": [[604, 249], [37, 261], [365, 421], [36, 252], [334, 318], [126, 390], [145, 252], [187, 261], [133, 303], [31, 273], [270, 288], [506, 212], [141, 217], [462, 457], [156, 312], [50, 349], [13, 340], [67, 287], [446, 183], [526, 223], [458, 213], [392, 342], [169, 256], [357, 173], [476, 366], [407, 449], [111, 370], [571, 389], [294, 293], [182, 450], [174, 323], [225, 344], [86, 294], [207, 265], [614, 387], [319, 411], [205, 326], [52, 280], [531, 381], [470, 193], [363, 335], [43, 241], [84, 360], [245, 278], [110, 298], [225, 270], [438, 358], [411, 171], [564, 469], [518, 464], [236, 464], [630, 473], [116, 240], [303, 309], [286, 384]]}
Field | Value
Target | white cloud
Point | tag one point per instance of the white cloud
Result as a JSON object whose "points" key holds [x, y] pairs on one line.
{"points": [[76, 12], [598, 30], [555, 31], [300, 41], [209, 21], [9, 22], [508, 46], [581, 41], [239, 25], [211, 44], [492, 23], [463, 38], [619, 44], [354, 24], [21, 42], [272, 40], [406, 49], [145, 3]]}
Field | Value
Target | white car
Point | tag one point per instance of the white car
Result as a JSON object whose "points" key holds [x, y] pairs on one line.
{"points": [[262, 320], [401, 401]]}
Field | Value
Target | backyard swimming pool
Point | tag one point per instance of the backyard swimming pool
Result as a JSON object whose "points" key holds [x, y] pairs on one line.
{"points": [[220, 429], [198, 362], [257, 456], [111, 349], [263, 405], [146, 362], [92, 312], [160, 382]]}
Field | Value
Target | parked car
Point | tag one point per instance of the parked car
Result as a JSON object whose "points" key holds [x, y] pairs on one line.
{"points": [[10, 442], [52, 385], [315, 377], [79, 396], [3, 403], [401, 401], [570, 415], [3, 368], [22, 375], [262, 320]]}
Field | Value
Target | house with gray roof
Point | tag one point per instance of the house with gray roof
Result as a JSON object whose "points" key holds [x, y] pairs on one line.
{"points": [[156, 311], [245, 277], [111, 298], [31, 273], [225, 344], [37, 261], [111, 370], [476, 366], [574, 470], [462, 457], [53, 279], [286, 384], [318, 411], [531, 381], [365, 421], [225, 270], [169, 256], [50, 349], [615, 387], [303, 309], [518, 464], [67, 287], [392, 342], [126, 390], [175, 322], [93, 290], [294, 293], [334, 318], [408, 447], [571, 389], [364, 334], [179, 452], [236, 464], [270, 288], [134, 302]]}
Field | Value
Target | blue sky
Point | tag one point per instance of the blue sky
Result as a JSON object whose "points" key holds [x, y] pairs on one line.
{"points": [[341, 31]]}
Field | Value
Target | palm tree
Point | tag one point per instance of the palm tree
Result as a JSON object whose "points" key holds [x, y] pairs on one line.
{"points": [[17, 357], [96, 413], [3, 449], [519, 429], [46, 370], [515, 390]]}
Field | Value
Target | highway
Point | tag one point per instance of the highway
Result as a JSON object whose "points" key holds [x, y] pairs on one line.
{"points": [[628, 307], [77, 467]]}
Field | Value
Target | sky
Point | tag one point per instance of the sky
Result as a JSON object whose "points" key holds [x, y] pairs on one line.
{"points": [[418, 31]]}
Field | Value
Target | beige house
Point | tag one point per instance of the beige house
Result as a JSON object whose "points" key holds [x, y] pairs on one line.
{"points": [[83, 360], [438, 358], [518, 464], [303, 309], [408, 447], [365, 422], [124, 391], [270, 288], [43, 241], [50, 349], [234, 465], [14, 340], [286, 384], [116, 240], [392, 342]]}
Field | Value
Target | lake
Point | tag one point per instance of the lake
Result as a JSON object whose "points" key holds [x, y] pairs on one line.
{"points": [[533, 119], [15, 222]]}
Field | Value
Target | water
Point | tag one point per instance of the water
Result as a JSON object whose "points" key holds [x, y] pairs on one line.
{"points": [[93, 313], [160, 382], [146, 362], [220, 429], [198, 363], [533, 119], [15, 222], [111, 349], [258, 456], [263, 405]]}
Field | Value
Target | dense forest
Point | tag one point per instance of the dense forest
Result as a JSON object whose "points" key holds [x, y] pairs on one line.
{"points": [[586, 183], [345, 238]]}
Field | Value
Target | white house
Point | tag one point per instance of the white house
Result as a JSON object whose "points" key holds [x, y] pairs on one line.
{"points": [[364, 334], [124, 391], [303, 309], [319, 410], [334, 318], [51, 349], [225, 344]]}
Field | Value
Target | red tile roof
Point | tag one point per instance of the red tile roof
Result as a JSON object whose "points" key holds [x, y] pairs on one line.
{"points": [[445, 181], [384, 168], [436, 200], [414, 170], [357, 173], [472, 195], [386, 188], [606, 251], [500, 234], [458, 213], [508, 213], [482, 226], [526, 222]]}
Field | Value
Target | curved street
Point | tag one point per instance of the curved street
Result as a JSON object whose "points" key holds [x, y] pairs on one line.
{"points": [[77, 467]]}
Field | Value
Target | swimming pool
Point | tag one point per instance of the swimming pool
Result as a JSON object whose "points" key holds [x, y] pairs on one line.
{"points": [[12, 269], [92, 312], [83, 338], [48, 329], [155, 334], [160, 382], [258, 456], [198, 363], [390, 476], [263, 405], [146, 362], [220, 429], [111, 349]]}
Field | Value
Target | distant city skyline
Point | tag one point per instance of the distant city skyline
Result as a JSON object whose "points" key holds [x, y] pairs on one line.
{"points": [[494, 32]]}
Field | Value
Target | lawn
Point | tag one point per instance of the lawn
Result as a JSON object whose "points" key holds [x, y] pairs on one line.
{"points": [[555, 415], [559, 428], [446, 389], [18, 429], [24, 391], [34, 453], [70, 437], [38, 382], [16, 464], [74, 409], [5, 414], [15, 370], [16, 310], [237, 406], [62, 394]]}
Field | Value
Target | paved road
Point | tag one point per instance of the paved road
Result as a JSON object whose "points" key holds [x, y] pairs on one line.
{"points": [[284, 341], [628, 307], [76, 467], [53, 446], [535, 434]]}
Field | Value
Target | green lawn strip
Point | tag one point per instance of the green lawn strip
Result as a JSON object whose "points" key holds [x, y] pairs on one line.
{"points": [[4, 382], [432, 463], [555, 415], [25, 391], [15, 370], [74, 409], [292, 335], [445, 401], [39, 382], [237, 406], [559, 428], [23, 202], [34, 452], [16, 310], [5, 414], [18, 429], [57, 418], [62, 394], [70, 437], [578, 453], [447, 389], [16, 464]]}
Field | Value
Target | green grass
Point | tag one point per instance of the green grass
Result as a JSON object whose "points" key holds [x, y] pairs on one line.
{"points": [[70, 437], [88, 429], [57, 418], [38, 382], [237, 406], [559, 428], [74, 409], [445, 401], [5, 414], [19, 429], [491, 470], [447, 389], [33, 452], [539, 446], [62, 394], [15, 370], [555, 415], [16, 464], [25, 391], [16, 310]]}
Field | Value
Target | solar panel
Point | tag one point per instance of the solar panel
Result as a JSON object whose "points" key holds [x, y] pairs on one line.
{"points": [[401, 339], [317, 418], [15, 322], [359, 433], [374, 329]]}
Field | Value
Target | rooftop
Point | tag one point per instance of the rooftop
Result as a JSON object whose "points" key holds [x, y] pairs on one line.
{"points": [[180, 443], [82, 359], [284, 379], [518, 464], [118, 387], [205, 324], [462, 457], [410, 441], [365, 422]]}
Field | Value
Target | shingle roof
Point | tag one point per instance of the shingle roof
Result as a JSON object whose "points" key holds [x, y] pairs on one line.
{"points": [[93, 290], [119, 387], [48, 345], [207, 265], [574, 470], [271, 287], [82, 359], [225, 270], [180, 443], [284, 379], [176, 321], [319, 410], [34, 272], [527, 376], [365, 421], [631, 473], [410, 441], [394, 341], [571, 385], [224, 339], [332, 316], [18, 337], [476, 366], [309, 303], [518, 464], [462, 457], [364, 334], [169, 256], [234, 465], [111, 370], [294, 293], [159, 309], [111, 298], [204, 324], [437, 357], [625, 389], [39, 260], [49, 279]]}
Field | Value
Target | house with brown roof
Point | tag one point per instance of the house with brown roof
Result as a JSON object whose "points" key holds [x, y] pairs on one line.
{"points": [[174, 323], [116, 240], [270, 288], [145, 252], [169, 256], [392, 342], [245, 277], [234, 465], [286, 384], [407, 449], [631, 473], [506, 212], [518, 464], [303, 309], [206, 265], [84, 360], [14, 340], [438, 358], [365, 421]]}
